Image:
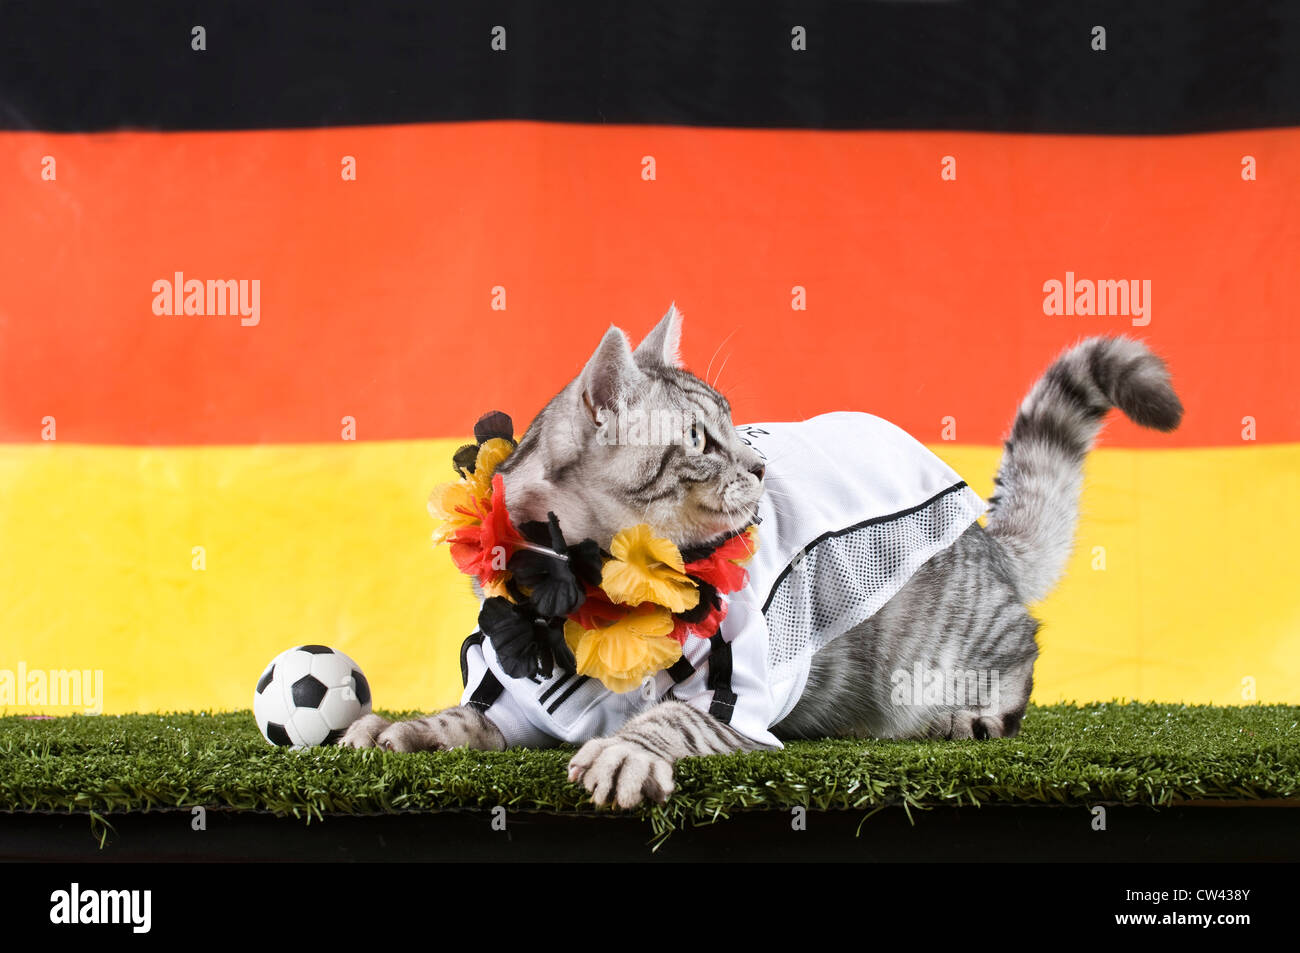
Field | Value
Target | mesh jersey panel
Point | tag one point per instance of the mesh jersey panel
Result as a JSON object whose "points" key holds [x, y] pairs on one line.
{"points": [[847, 577]]}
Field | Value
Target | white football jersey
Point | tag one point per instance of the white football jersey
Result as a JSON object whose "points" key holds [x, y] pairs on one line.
{"points": [[855, 506]]}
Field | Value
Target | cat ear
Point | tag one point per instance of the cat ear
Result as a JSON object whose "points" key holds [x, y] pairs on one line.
{"points": [[662, 345], [611, 373]]}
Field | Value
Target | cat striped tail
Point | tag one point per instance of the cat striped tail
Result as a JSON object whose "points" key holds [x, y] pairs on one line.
{"points": [[1035, 509]]}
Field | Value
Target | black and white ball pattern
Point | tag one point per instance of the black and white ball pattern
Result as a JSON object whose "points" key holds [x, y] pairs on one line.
{"points": [[308, 696]]}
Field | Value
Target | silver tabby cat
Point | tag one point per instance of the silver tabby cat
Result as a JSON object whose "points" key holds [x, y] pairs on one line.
{"points": [[966, 607]]}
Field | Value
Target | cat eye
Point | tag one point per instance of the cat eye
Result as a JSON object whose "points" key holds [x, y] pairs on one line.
{"points": [[696, 439]]}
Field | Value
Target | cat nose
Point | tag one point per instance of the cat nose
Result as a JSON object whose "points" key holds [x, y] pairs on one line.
{"points": [[758, 470]]}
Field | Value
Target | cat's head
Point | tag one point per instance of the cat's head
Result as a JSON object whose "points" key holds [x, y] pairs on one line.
{"points": [[635, 438]]}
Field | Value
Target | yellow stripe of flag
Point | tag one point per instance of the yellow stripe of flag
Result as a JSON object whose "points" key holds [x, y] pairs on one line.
{"points": [[179, 572]]}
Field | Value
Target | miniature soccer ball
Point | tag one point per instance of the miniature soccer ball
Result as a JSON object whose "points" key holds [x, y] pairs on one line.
{"points": [[308, 696]]}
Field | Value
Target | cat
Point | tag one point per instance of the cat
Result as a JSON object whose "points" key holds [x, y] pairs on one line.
{"points": [[963, 609]]}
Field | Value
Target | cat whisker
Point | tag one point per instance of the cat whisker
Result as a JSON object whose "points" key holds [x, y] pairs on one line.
{"points": [[774, 459], [715, 353], [782, 497], [714, 385]]}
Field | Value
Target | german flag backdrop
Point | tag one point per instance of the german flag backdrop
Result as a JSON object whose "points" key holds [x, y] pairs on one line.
{"points": [[261, 267]]}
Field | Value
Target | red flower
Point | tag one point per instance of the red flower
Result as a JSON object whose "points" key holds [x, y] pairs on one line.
{"points": [[597, 611], [484, 549], [720, 570], [708, 627]]}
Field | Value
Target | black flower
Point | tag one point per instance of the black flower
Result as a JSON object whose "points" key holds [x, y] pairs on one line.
{"points": [[555, 578], [465, 459], [494, 424], [526, 644]]}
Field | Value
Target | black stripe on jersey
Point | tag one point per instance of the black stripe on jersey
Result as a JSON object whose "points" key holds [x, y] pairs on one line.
{"points": [[582, 680], [680, 670], [475, 638], [541, 699], [724, 699], [488, 691]]}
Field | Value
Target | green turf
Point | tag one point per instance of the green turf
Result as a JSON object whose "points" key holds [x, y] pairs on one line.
{"points": [[1113, 753]]}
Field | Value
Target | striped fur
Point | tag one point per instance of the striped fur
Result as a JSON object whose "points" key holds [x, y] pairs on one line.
{"points": [[1036, 507], [636, 762], [963, 611], [459, 727]]}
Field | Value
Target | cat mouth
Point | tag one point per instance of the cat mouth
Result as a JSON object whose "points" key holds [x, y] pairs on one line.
{"points": [[731, 520], [730, 513], [721, 536]]}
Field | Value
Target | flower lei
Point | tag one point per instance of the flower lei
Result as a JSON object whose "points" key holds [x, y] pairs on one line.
{"points": [[617, 616]]}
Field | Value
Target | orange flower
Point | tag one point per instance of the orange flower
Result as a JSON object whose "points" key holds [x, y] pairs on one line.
{"points": [[454, 507], [466, 502], [496, 586]]}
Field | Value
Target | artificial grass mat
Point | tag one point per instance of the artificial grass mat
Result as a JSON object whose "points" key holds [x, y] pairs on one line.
{"points": [[1130, 753]]}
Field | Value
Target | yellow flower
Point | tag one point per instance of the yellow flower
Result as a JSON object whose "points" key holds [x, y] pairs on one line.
{"points": [[453, 504], [490, 454], [623, 654], [647, 568]]}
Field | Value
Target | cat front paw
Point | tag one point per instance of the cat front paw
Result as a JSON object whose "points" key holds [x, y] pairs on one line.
{"points": [[434, 733], [459, 727], [622, 772], [364, 732]]}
